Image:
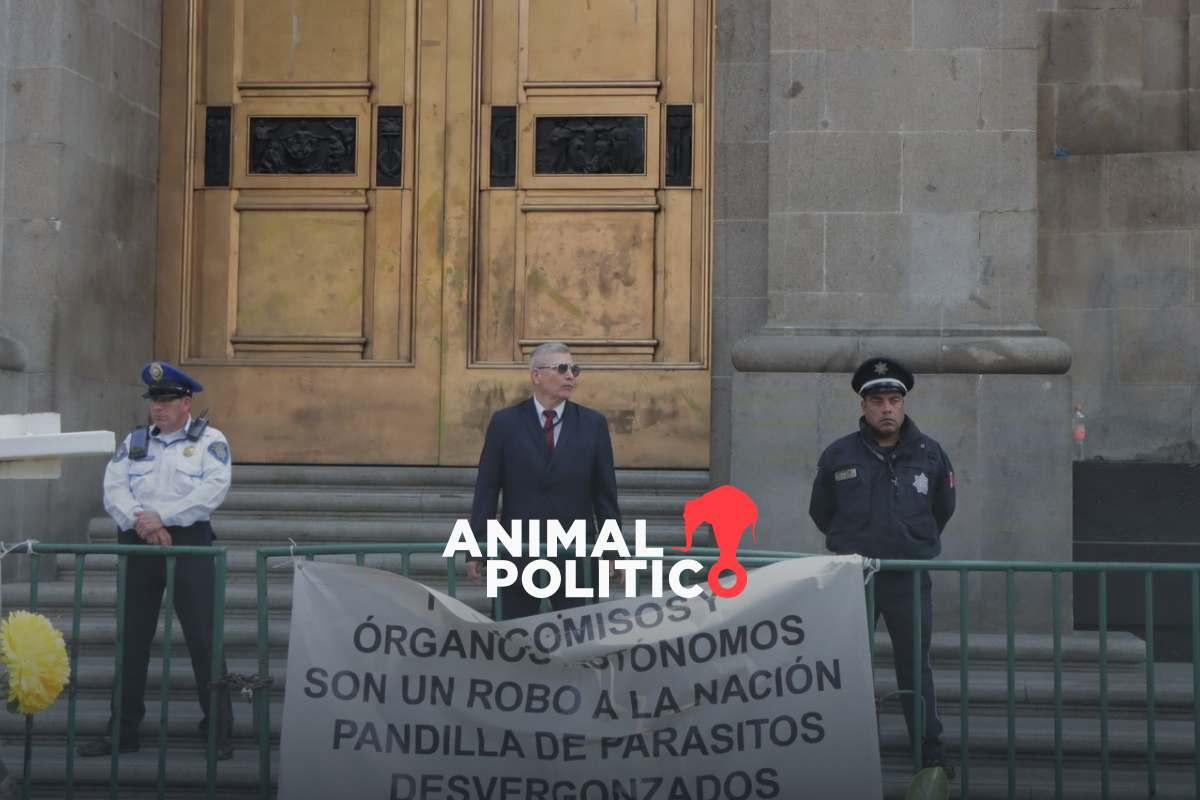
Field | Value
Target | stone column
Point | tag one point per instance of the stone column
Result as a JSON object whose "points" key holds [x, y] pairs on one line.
{"points": [[1193, 74], [12, 352], [903, 222], [78, 171], [739, 200]]}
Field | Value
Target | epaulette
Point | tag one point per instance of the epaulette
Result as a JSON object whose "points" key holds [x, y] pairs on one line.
{"points": [[139, 442]]}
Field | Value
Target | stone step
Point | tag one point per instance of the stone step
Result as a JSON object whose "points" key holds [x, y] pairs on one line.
{"points": [[1034, 694], [234, 529], [987, 696], [91, 720], [339, 500], [1033, 652], [186, 771], [1126, 653], [56, 598], [241, 563], [988, 679], [98, 631], [988, 688], [988, 735], [987, 756], [629, 481], [1080, 650], [239, 779], [94, 676], [1035, 781]]}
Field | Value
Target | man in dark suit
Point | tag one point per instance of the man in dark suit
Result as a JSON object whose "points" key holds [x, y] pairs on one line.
{"points": [[551, 459]]}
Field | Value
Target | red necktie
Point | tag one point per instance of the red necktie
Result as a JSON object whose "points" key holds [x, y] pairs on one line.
{"points": [[549, 429]]}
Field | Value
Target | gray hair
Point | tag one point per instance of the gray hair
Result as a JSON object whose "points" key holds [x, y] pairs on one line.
{"points": [[545, 349]]}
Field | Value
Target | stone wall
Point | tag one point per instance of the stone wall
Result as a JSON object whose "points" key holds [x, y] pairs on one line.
{"points": [[902, 220], [1118, 280], [1114, 76], [1118, 229], [14, 359], [740, 200], [910, 131], [79, 117]]}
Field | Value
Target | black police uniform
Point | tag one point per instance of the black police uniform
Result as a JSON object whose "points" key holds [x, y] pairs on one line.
{"points": [[891, 503]]}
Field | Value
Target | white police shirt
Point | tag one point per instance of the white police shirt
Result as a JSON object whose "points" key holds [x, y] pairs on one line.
{"points": [[182, 481]]}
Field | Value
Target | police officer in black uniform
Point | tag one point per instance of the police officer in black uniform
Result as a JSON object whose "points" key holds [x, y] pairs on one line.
{"points": [[161, 487], [887, 491]]}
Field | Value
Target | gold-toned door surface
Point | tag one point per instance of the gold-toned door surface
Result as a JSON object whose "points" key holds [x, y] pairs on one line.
{"points": [[291, 282], [371, 211]]}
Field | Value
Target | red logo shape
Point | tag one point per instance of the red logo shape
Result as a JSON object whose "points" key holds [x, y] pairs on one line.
{"points": [[729, 511]]}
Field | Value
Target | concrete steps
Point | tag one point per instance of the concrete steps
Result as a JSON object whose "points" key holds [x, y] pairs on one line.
{"points": [[237, 779], [250, 477]]}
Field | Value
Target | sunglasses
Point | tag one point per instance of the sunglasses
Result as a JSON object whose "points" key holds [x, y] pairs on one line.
{"points": [[562, 369]]}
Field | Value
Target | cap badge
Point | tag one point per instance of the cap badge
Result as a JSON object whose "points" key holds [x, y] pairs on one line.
{"points": [[881, 368], [156, 371]]}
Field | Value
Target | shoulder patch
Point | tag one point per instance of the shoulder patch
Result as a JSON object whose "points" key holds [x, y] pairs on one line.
{"points": [[219, 451], [122, 452]]}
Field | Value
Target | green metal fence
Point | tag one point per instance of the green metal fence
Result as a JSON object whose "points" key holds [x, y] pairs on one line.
{"points": [[262, 700], [964, 570], [1056, 571], [123, 552]]}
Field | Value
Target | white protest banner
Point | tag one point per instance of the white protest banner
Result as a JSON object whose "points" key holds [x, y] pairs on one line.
{"points": [[399, 692]]}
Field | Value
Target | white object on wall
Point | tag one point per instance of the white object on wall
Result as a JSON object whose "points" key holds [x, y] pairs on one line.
{"points": [[33, 445]]}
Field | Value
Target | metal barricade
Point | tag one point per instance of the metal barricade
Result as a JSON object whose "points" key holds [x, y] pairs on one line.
{"points": [[262, 699], [123, 552], [1055, 571]]}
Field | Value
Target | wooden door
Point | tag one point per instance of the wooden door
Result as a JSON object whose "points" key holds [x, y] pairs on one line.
{"points": [[371, 211]]}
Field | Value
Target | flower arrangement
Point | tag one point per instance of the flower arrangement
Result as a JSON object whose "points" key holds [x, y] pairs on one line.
{"points": [[34, 657]]}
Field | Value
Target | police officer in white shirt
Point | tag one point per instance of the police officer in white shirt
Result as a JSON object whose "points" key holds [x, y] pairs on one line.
{"points": [[161, 487]]}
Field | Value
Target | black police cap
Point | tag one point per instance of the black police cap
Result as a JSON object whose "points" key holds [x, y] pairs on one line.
{"points": [[882, 375]]}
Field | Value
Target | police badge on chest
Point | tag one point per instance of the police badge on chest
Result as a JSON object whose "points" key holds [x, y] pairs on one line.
{"points": [[921, 483]]}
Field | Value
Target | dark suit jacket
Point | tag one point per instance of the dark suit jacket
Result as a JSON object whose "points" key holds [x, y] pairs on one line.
{"points": [[578, 482]]}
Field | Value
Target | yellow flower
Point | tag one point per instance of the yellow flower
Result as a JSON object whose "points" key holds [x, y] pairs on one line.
{"points": [[36, 657]]}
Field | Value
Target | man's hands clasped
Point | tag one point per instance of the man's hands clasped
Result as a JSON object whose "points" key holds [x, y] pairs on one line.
{"points": [[150, 528]]}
